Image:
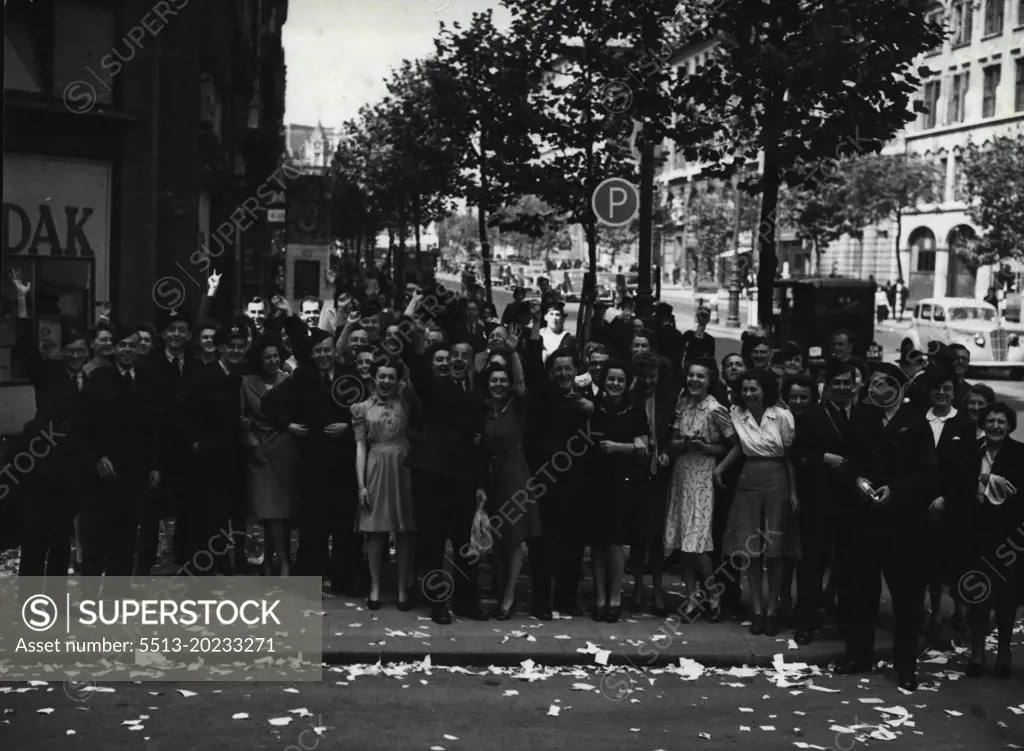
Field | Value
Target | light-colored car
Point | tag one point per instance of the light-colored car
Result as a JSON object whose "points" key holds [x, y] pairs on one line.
{"points": [[972, 323]]}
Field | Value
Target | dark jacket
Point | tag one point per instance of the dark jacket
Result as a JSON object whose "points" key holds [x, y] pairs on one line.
{"points": [[123, 422], [900, 455], [442, 427], [213, 409]]}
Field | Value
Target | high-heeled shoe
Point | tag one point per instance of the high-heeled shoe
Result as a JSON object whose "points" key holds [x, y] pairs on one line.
{"points": [[771, 626], [757, 624], [405, 606], [372, 604], [613, 614], [505, 614], [600, 613]]}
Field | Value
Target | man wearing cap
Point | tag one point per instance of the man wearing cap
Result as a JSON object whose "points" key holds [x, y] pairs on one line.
{"points": [[174, 370], [698, 343], [885, 520], [212, 410], [123, 406]]}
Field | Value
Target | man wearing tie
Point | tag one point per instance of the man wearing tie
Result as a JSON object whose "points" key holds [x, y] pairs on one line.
{"points": [[894, 461], [446, 473], [173, 372], [56, 489], [462, 365], [212, 409], [829, 422], [123, 407]]}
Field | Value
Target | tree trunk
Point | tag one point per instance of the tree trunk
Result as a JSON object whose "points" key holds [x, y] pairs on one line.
{"points": [[416, 218], [768, 262], [481, 220], [587, 294], [391, 248], [899, 230], [398, 271]]}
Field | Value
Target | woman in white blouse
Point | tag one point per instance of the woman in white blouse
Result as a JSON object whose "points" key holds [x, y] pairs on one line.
{"points": [[765, 494]]}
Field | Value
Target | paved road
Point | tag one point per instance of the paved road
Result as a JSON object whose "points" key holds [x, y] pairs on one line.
{"points": [[586, 709]]}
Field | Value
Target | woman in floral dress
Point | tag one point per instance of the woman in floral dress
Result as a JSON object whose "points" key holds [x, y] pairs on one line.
{"points": [[701, 430], [380, 425]]}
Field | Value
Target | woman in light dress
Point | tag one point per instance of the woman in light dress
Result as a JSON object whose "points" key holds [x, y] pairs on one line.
{"points": [[701, 430], [380, 425]]}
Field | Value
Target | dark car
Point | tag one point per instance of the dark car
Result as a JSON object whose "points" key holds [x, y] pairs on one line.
{"points": [[809, 311]]}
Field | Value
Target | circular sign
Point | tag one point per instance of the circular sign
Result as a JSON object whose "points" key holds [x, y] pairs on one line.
{"points": [[615, 202]]}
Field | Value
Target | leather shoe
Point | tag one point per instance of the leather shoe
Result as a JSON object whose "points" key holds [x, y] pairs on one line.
{"points": [[975, 669], [613, 614], [771, 627], [472, 612], [907, 680], [803, 638], [440, 615], [853, 666], [757, 624]]}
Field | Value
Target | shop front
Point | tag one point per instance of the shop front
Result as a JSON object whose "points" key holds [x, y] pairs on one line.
{"points": [[56, 237]]}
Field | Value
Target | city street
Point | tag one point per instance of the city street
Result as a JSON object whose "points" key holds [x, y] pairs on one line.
{"points": [[728, 340], [399, 707]]}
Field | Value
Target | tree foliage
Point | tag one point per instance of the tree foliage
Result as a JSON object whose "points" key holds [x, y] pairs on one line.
{"points": [[798, 81], [994, 180]]}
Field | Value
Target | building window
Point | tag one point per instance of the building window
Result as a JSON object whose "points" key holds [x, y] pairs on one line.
{"points": [[932, 90], [1020, 12], [64, 49], [958, 98], [925, 260], [993, 74], [935, 17], [959, 183], [1018, 104], [994, 17], [963, 23]]}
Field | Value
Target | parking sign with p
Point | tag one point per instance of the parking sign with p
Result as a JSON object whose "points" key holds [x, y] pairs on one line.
{"points": [[615, 202]]}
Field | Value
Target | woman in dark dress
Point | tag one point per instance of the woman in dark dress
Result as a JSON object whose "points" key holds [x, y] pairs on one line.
{"points": [[314, 405], [613, 470], [997, 531], [271, 453], [509, 494]]}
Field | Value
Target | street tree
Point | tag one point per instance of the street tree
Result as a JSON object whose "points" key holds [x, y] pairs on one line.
{"points": [[994, 181], [797, 81], [488, 113]]}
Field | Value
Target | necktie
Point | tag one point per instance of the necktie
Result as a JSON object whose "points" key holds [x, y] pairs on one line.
{"points": [[76, 378], [129, 382], [180, 363], [841, 418]]}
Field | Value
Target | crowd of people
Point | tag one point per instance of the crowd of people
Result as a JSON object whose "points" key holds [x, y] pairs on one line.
{"points": [[353, 425]]}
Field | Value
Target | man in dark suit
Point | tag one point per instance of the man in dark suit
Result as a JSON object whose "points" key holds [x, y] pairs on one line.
{"points": [[557, 438], [123, 407], [831, 425], [58, 485], [446, 472], [213, 412], [173, 371], [895, 466]]}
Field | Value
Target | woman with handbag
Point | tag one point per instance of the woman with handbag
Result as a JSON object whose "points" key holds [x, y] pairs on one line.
{"points": [[271, 454]]}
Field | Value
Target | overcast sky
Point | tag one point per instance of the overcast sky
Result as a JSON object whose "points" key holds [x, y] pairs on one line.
{"points": [[338, 51]]}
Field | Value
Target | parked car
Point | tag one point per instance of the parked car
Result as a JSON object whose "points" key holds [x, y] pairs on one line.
{"points": [[974, 324]]}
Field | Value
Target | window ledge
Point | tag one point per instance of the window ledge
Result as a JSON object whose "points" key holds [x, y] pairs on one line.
{"points": [[960, 45], [993, 35]]}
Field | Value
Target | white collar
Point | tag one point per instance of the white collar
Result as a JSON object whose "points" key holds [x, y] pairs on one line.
{"points": [[225, 368], [932, 417], [123, 372], [174, 358]]}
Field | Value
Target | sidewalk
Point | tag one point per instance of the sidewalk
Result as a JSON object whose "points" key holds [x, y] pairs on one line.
{"points": [[353, 634]]}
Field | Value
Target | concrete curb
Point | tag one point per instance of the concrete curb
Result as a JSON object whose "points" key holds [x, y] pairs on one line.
{"points": [[616, 659]]}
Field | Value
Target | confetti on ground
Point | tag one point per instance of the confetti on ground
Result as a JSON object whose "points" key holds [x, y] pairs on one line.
{"points": [[280, 721], [46, 710], [240, 716], [186, 693], [554, 711]]}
